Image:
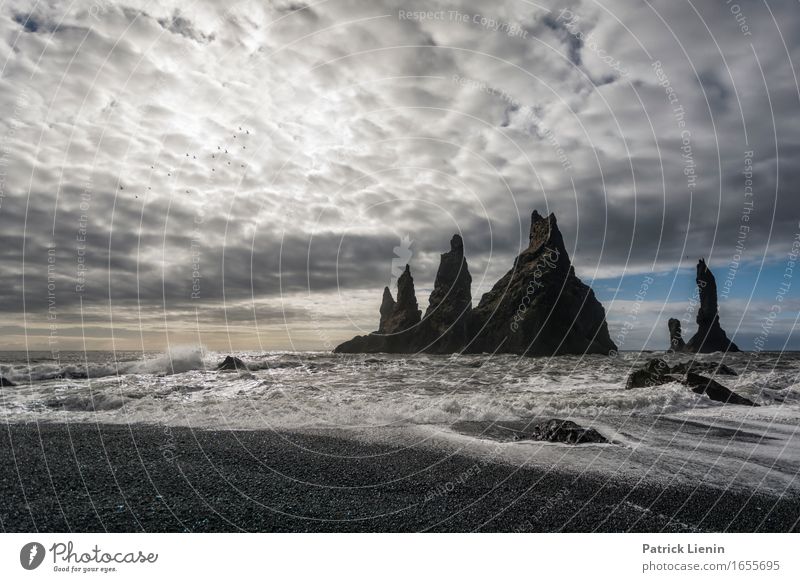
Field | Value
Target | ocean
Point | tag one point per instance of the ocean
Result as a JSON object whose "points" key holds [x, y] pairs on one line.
{"points": [[666, 433]]}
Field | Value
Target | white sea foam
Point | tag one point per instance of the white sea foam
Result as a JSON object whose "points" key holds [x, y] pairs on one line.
{"points": [[177, 360], [666, 431]]}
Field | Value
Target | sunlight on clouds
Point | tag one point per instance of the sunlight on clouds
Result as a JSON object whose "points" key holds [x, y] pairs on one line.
{"points": [[289, 146]]}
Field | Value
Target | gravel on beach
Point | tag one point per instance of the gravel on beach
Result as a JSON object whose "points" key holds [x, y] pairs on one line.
{"points": [[93, 478]]}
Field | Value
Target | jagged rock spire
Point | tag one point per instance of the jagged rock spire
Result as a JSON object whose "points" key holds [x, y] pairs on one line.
{"points": [[445, 324], [387, 308], [544, 230], [453, 281], [708, 312], [404, 313], [710, 336], [538, 308], [676, 343], [406, 296]]}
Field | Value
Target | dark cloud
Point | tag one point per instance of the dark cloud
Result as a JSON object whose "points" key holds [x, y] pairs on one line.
{"points": [[177, 24], [573, 42], [27, 21]]}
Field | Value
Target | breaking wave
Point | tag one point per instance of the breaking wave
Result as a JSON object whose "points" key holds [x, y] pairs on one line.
{"points": [[290, 390], [76, 403], [175, 361]]}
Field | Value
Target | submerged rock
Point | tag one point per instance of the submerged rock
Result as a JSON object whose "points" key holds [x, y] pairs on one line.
{"points": [[658, 367], [556, 430], [710, 336], [553, 430], [5, 382], [232, 363], [655, 373], [714, 390]]}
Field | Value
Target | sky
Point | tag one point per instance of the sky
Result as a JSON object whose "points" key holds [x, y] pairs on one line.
{"points": [[250, 175]]}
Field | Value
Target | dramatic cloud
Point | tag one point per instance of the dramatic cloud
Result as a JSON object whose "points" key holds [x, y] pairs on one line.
{"points": [[244, 173]]}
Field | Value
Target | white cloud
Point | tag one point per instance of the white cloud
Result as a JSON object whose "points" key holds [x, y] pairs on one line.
{"points": [[355, 129]]}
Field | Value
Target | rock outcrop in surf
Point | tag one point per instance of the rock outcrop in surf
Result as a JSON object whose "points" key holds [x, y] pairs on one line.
{"points": [[231, 363], [565, 431], [657, 372], [539, 308], [714, 390], [553, 430]]}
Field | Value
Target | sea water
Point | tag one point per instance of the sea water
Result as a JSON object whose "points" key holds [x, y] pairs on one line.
{"points": [[664, 432]]}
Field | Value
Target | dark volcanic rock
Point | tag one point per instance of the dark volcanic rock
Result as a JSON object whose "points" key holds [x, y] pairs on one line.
{"points": [[676, 343], [444, 328], [553, 430], [540, 308], [231, 363], [645, 379], [655, 373], [556, 430], [387, 308], [406, 313], [657, 367], [398, 325], [4, 382], [363, 344], [714, 390], [710, 336]]}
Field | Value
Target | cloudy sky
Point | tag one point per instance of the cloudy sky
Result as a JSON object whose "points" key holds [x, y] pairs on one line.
{"points": [[245, 174]]}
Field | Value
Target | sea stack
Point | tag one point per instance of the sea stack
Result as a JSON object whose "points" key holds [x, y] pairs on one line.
{"points": [[539, 308], [444, 328], [676, 343], [387, 308], [405, 313], [399, 323], [710, 336]]}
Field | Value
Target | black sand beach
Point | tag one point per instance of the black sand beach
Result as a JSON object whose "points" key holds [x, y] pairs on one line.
{"points": [[89, 478]]}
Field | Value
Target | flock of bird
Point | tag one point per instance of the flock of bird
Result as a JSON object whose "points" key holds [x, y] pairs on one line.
{"points": [[222, 150]]}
